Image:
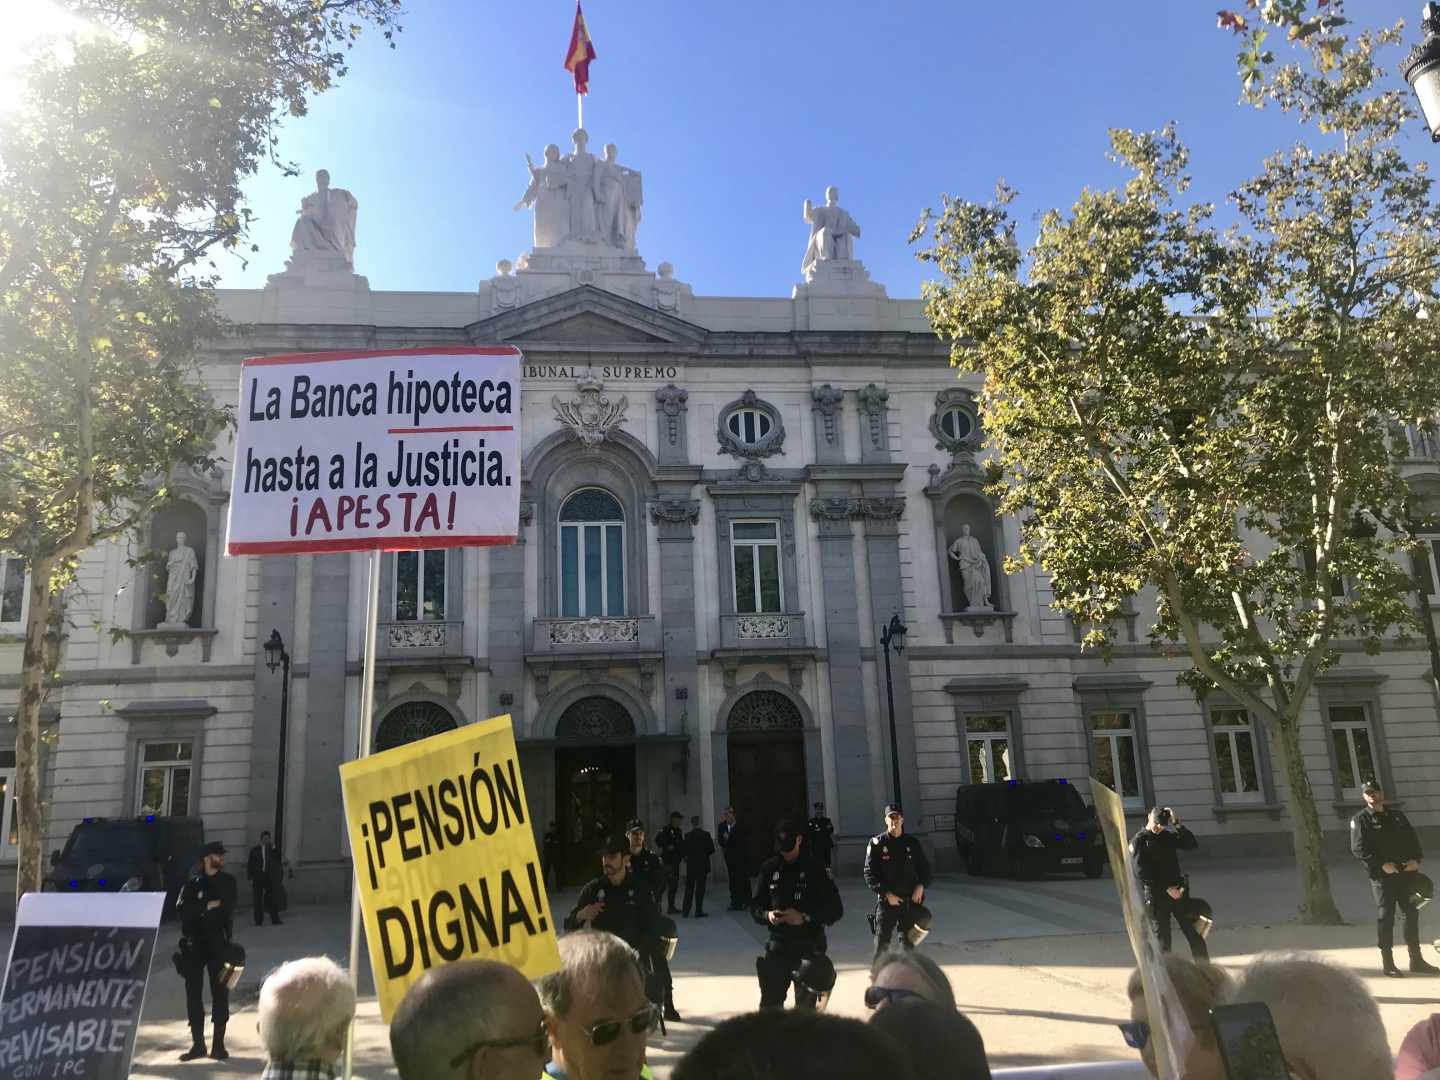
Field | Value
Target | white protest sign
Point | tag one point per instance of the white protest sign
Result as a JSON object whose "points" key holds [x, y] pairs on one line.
{"points": [[75, 984], [393, 449]]}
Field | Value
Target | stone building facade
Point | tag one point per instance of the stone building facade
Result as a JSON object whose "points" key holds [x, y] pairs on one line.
{"points": [[724, 500]]}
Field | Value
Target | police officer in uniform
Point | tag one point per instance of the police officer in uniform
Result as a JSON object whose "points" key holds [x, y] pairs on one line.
{"points": [[1157, 865], [671, 842], [898, 872], [206, 906], [820, 836], [1383, 839], [647, 867], [796, 899]]}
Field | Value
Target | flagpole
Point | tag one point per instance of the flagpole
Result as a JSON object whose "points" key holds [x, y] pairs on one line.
{"points": [[580, 110]]}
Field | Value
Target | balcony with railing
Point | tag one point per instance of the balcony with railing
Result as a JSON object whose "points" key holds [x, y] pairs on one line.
{"points": [[420, 640], [599, 635], [763, 630]]}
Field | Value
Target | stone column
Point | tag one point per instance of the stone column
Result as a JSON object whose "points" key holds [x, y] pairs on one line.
{"points": [[881, 515], [675, 515], [832, 509], [324, 725], [507, 624]]}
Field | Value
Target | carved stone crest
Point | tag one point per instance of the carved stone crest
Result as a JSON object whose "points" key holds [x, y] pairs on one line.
{"points": [[882, 508], [872, 404], [672, 403], [828, 403], [675, 511], [590, 415]]}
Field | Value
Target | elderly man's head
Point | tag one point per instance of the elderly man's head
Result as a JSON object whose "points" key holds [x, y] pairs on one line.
{"points": [[305, 1010], [1199, 988], [1329, 1025], [795, 1042], [470, 1019], [596, 1009]]}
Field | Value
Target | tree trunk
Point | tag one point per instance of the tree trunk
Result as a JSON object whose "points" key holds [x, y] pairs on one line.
{"points": [[29, 869], [1317, 906]]}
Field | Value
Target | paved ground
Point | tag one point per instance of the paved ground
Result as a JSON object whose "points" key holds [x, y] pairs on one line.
{"points": [[1039, 966]]}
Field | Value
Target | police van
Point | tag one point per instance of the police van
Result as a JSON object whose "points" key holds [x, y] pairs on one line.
{"points": [[1026, 828], [150, 853]]}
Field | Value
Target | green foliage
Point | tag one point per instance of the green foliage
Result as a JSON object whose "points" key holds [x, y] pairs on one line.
{"points": [[1211, 414]]}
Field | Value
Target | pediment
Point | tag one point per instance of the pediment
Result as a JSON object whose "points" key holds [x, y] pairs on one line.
{"points": [[587, 316]]}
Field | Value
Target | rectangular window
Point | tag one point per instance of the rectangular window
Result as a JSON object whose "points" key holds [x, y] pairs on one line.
{"points": [[1430, 566], [1117, 754], [166, 772], [1233, 737], [592, 569], [987, 747], [14, 596], [755, 547], [9, 819], [1353, 742], [420, 586]]}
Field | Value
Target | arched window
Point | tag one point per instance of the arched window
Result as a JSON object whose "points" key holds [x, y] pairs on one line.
{"points": [[592, 554], [412, 722], [957, 423]]}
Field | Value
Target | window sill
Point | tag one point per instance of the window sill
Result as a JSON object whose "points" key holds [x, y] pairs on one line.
{"points": [[172, 638], [1270, 810], [977, 621]]}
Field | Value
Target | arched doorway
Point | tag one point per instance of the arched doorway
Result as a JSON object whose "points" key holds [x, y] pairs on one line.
{"points": [[766, 750], [411, 722], [594, 781]]}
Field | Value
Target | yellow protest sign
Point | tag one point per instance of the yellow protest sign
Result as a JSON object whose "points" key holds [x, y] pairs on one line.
{"points": [[1169, 1027], [445, 859]]}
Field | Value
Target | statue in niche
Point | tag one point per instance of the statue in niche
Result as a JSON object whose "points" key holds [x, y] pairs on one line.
{"points": [[327, 222], [181, 568], [547, 196], [505, 286], [832, 232], [974, 570]]}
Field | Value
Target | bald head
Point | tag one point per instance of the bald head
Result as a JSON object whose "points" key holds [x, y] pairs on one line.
{"points": [[456, 1006]]}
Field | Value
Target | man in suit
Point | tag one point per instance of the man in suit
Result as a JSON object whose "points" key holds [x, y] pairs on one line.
{"points": [[698, 848], [733, 838], [266, 873]]}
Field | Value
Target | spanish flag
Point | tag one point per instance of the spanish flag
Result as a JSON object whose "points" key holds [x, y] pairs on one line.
{"points": [[580, 53]]}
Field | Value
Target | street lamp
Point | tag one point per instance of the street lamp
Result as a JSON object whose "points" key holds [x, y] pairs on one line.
{"points": [[277, 657], [893, 634], [1422, 69]]}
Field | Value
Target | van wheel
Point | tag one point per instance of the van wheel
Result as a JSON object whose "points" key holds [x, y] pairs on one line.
{"points": [[1093, 867], [973, 863]]}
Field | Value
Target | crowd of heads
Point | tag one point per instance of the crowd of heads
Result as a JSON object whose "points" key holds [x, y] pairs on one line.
{"points": [[592, 1020]]}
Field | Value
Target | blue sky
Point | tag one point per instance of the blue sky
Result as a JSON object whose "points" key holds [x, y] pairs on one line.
{"points": [[737, 112]]}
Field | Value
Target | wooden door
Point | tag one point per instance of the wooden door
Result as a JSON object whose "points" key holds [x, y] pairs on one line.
{"points": [[767, 783], [596, 795]]}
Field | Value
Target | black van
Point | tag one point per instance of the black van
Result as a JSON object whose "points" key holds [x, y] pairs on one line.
{"points": [[148, 854], [1027, 828]]}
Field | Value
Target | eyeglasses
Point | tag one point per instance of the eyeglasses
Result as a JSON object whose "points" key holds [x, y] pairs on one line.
{"points": [[1137, 1033], [539, 1042], [607, 1031], [875, 996]]}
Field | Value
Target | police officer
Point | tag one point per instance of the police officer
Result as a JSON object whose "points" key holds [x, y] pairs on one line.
{"points": [[206, 906], [898, 872], [1383, 839], [1157, 865], [646, 866], [820, 836], [796, 899], [671, 842]]}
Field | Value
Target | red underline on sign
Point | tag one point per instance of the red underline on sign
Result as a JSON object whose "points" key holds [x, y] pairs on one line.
{"points": [[437, 430], [418, 353], [302, 546]]}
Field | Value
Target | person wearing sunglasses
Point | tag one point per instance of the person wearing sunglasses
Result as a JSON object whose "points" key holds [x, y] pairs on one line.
{"points": [[795, 899], [596, 1011], [1199, 988], [906, 975], [470, 1020]]}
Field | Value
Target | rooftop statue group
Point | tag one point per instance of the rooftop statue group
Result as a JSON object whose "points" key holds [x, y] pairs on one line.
{"points": [[580, 198]]}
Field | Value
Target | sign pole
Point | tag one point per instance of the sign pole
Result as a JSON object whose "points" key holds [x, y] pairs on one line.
{"points": [[367, 709]]}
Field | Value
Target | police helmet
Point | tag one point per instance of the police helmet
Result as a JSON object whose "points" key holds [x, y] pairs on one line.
{"points": [[1199, 912], [1420, 890], [817, 975], [920, 919], [785, 835]]}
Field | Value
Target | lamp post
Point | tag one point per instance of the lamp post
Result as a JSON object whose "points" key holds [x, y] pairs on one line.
{"points": [[892, 634], [1422, 69], [277, 657]]}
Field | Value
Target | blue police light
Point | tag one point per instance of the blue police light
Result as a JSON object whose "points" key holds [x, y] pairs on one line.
{"points": [[89, 821], [1062, 781], [74, 884], [101, 882], [1057, 837], [1082, 836], [149, 817], [1012, 783]]}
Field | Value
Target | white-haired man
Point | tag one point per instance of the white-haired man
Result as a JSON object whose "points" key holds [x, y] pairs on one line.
{"points": [[1329, 1025], [304, 1011], [596, 1009], [467, 1020]]}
